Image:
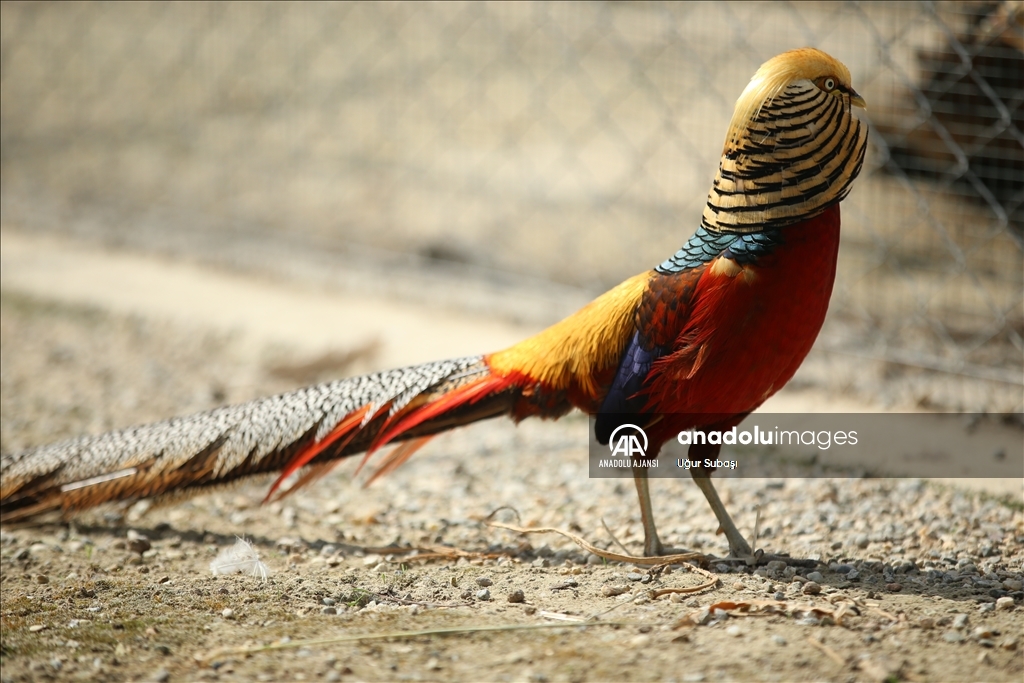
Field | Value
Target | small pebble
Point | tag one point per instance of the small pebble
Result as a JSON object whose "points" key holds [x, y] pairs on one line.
{"points": [[779, 595], [926, 623], [568, 583], [1008, 643], [516, 596], [776, 566], [953, 637], [328, 610], [861, 541], [634, 576], [483, 581], [960, 622], [161, 676], [815, 577], [612, 591], [983, 658], [778, 640], [227, 613], [541, 562], [811, 588], [36, 628], [332, 676], [704, 617], [42, 578], [483, 594], [986, 607], [1004, 603], [529, 609], [593, 559], [739, 586], [1013, 584], [138, 543], [893, 587], [328, 601], [734, 631]]}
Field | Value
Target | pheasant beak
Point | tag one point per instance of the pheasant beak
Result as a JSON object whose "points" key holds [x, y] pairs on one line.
{"points": [[856, 100]]}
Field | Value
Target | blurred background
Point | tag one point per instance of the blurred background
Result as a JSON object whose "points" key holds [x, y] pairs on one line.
{"points": [[514, 160]]}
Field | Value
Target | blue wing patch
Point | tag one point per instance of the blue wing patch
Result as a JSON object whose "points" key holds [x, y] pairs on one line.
{"points": [[624, 401], [705, 246], [624, 395]]}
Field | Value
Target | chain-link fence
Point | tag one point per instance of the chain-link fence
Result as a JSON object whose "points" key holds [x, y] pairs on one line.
{"points": [[568, 143]]}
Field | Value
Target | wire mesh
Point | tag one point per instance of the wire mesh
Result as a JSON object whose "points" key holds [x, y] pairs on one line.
{"points": [[568, 142]]}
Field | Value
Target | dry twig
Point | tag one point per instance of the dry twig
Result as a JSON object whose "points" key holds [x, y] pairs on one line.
{"points": [[682, 559]]}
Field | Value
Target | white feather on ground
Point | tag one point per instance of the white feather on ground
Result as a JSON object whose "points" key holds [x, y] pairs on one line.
{"points": [[240, 558]]}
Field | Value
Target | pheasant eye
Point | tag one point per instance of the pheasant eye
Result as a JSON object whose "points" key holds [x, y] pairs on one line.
{"points": [[830, 84]]}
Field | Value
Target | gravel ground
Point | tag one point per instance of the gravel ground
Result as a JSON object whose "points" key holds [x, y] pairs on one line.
{"points": [[916, 581]]}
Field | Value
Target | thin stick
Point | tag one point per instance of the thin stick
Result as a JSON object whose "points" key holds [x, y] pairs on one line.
{"points": [[680, 559], [614, 539], [403, 601], [614, 557], [610, 609], [829, 652]]}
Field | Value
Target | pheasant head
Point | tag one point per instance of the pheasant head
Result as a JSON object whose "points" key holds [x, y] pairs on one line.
{"points": [[794, 147]]}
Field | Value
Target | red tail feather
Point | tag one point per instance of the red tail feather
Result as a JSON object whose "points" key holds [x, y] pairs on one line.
{"points": [[399, 456], [346, 428], [395, 426], [468, 394]]}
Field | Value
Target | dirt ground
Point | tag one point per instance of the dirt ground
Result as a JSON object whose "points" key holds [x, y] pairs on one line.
{"points": [[917, 581]]}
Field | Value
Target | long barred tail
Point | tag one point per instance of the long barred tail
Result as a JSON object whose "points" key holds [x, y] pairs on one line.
{"points": [[311, 427]]}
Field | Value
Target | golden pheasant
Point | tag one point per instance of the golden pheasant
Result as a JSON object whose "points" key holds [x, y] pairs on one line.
{"points": [[713, 331]]}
